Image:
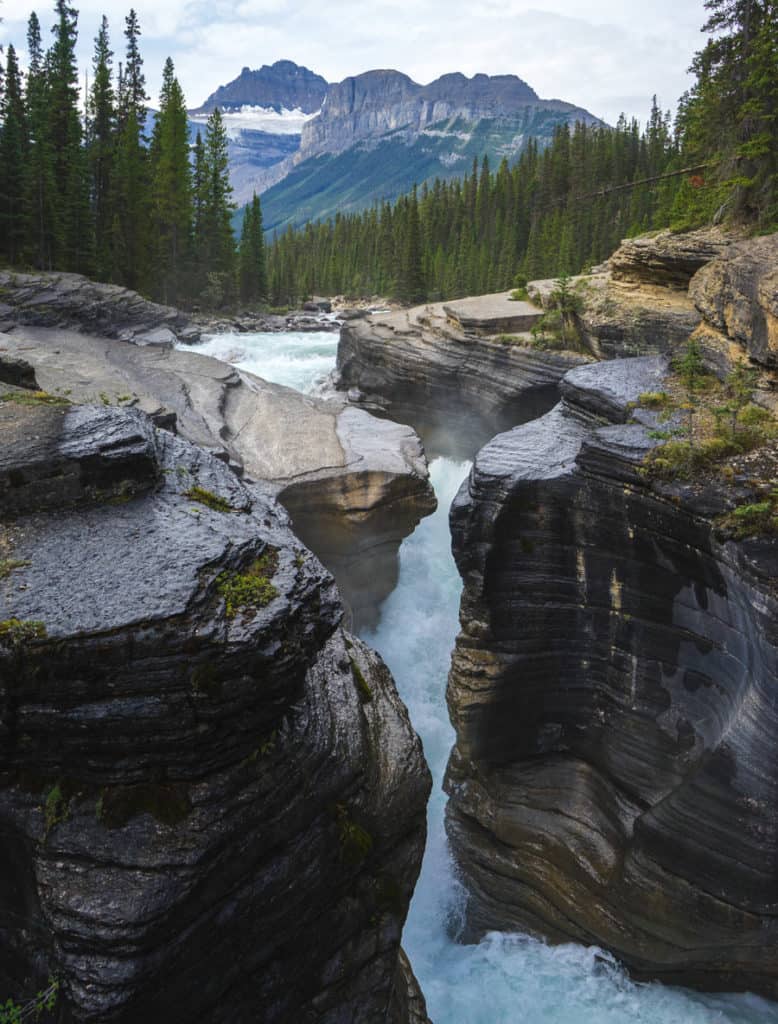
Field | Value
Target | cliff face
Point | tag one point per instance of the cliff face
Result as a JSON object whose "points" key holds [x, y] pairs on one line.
{"points": [[615, 770], [211, 797], [376, 102], [456, 387]]}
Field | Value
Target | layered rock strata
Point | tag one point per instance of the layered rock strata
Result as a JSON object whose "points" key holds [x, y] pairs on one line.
{"points": [[74, 302], [615, 772], [212, 803], [737, 297], [354, 484], [456, 387]]}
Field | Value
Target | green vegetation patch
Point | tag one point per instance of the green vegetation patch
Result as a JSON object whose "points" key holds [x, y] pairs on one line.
{"points": [[755, 519], [355, 841], [209, 499], [362, 685], [42, 1002], [252, 589], [33, 398], [16, 632], [9, 565], [718, 420], [56, 808]]}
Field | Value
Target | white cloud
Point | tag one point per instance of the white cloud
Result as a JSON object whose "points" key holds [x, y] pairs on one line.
{"points": [[605, 55]]}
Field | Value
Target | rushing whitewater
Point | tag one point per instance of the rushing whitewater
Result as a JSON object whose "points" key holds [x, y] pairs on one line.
{"points": [[506, 979]]}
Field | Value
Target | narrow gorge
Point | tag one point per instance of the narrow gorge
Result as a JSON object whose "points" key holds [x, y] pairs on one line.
{"points": [[210, 787]]}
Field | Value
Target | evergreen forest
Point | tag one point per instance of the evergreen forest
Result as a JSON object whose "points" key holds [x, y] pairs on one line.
{"points": [[83, 189]]}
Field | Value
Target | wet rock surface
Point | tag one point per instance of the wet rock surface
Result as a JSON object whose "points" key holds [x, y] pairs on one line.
{"points": [[75, 302], [456, 387], [354, 484], [615, 771], [211, 799]]}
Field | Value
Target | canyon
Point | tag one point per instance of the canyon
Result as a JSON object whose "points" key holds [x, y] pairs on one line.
{"points": [[177, 763]]}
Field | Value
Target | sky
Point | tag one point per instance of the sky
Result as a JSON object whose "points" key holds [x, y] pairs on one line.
{"points": [[605, 55]]}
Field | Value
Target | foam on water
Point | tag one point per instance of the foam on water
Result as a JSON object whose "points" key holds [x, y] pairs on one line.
{"points": [[298, 359], [505, 979]]}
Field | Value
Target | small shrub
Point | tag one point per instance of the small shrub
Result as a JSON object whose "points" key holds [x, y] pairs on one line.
{"points": [[654, 399], [755, 519], [520, 294]]}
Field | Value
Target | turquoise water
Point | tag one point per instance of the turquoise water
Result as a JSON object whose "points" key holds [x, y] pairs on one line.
{"points": [[506, 979]]}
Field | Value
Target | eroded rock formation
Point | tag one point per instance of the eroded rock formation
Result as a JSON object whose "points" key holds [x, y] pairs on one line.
{"points": [[615, 773], [354, 484], [456, 387], [75, 302], [212, 803], [737, 296]]}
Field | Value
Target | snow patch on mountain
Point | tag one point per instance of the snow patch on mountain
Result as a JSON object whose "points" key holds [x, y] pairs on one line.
{"points": [[260, 119]]}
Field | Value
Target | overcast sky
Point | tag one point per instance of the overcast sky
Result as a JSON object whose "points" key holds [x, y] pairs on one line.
{"points": [[605, 55]]}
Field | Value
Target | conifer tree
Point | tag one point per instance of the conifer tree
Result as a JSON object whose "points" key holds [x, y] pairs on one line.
{"points": [[129, 174], [252, 264], [101, 149], [70, 172], [13, 163], [217, 248], [171, 190], [43, 232]]}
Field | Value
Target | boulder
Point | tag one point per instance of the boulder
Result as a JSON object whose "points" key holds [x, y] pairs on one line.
{"points": [[211, 797]]}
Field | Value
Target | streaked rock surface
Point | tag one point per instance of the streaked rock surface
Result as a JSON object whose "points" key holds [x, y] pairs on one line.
{"points": [[204, 814], [615, 773]]}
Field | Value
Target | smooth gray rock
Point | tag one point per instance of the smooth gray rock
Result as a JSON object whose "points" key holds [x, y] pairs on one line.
{"points": [[204, 815], [355, 485], [615, 771]]}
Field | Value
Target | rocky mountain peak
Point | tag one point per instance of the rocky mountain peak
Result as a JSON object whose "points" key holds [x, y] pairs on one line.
{"points": [[282, 85]]}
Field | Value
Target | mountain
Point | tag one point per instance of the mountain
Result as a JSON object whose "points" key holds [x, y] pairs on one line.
{"points": [[280, 86], [313, 149], [380, 132]]}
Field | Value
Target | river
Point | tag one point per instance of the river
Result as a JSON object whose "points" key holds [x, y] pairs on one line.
{"points": [[505, 979]]}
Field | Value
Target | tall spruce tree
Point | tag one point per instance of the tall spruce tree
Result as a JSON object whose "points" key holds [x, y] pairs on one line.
{"points": [[13, 163], [129, 174], [171, 191], [101, 142], [252, 262], [70, 170], [216, 255], [43, 241]]}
